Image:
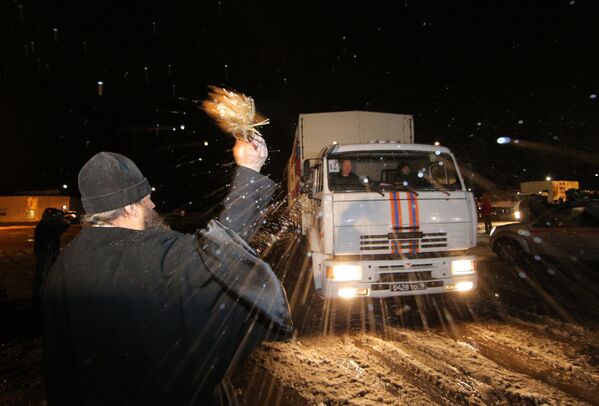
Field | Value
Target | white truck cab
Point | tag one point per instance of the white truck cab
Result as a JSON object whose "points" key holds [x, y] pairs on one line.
{"points": [[385, 218]]}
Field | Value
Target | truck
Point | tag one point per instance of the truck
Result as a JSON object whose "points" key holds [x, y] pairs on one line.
{"points": [[380, 232], [552, 189]]}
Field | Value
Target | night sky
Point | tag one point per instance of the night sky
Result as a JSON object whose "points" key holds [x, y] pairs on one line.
{"points": [[469, 72]]}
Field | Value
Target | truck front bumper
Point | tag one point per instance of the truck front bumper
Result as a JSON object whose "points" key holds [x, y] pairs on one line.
{"points": [[389, 278]]}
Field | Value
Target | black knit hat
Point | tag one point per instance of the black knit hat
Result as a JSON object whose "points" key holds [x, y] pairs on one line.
{"points": [[110, 181]]}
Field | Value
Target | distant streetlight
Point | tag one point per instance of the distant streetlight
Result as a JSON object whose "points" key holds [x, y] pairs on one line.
{"points": [[205, 143], [548, 178], [182, 127], [65, 186], [153, 189], [437, 143], [504, 140]]}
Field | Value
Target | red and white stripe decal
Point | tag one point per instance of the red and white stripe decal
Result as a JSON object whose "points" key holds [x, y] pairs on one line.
{"points": [[413, 209], [397, 220]]}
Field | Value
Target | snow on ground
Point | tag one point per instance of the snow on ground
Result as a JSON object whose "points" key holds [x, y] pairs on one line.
{"points": [[494, 363], [335, 371], [496, 350]]}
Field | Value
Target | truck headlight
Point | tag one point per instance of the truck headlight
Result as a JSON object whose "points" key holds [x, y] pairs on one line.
{"points": [[352, 292], [462, 267], [464, 286], [344, 272]]}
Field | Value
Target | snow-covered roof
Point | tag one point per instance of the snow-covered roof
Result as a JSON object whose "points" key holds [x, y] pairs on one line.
{"points": [[380, 146]]}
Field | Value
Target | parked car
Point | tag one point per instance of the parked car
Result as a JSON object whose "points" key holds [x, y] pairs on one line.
{"points": [[72, 217], [564, 233]]}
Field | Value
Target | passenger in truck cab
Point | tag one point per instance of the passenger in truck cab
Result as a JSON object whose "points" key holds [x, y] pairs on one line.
{"points": [[345, 177], [405, 176], [412, 181]]}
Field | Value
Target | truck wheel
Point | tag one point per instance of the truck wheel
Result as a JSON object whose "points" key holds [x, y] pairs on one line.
{"points": [[508, 251]]}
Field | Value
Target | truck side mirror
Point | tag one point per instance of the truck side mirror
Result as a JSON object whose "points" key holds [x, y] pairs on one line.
{"points": [[307, 167], [306, 185], [307, 179]]}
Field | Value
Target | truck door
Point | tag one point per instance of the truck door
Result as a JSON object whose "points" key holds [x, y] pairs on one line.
{"points": [[312, 186], [316, 209]]}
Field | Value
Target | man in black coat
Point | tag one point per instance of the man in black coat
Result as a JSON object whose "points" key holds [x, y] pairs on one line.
{"points": [[138, 314], [47, 246], [407, 178]]}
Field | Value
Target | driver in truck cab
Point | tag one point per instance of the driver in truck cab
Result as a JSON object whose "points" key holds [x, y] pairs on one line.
{"points": [[346, 177]]}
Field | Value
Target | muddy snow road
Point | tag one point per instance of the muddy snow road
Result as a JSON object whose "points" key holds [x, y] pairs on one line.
{"points": [[517, 362], [526, 336]]}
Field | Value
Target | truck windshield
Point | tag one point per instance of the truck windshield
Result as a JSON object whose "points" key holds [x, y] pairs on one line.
{"points": [[392, 170]]}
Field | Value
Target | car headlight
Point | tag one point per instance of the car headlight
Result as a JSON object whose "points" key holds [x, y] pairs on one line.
{"points": [[344, 272], [462, 267], [517, 215]]}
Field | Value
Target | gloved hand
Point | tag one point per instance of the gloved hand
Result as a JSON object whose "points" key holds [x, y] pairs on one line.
{"points": [[252, 154]]}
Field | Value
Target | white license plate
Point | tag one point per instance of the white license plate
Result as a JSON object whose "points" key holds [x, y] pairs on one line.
{"points": [[407, 287]]}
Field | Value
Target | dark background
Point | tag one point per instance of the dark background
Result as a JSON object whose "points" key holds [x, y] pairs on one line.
{"points": [[468, 71]]}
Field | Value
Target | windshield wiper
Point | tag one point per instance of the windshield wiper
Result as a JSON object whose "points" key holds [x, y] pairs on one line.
{"points": [[373, 186], [436, 186], [399, 186], [445, 191]]}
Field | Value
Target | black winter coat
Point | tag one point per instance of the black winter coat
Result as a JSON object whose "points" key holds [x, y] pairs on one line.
{"points": [[159, 317], [47, 236]]}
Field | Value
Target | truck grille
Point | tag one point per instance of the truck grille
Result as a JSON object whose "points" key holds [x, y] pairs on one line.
{"points": [[374, 242], [405, 276], [401, 267], [433, 240], [403, 240]]}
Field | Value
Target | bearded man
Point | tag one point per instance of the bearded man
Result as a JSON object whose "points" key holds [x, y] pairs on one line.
{"points": [[135, 313]]}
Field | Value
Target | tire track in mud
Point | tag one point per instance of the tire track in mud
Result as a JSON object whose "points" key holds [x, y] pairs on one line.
{"points": [[331, 370], [501, 381], [486, 363], [454, 381], [258, 386], [510, 355], [586, 338], [431, 382], [567, 355]]}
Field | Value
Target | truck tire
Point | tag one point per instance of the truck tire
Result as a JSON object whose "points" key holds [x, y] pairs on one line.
{"points": [[509, 251]]}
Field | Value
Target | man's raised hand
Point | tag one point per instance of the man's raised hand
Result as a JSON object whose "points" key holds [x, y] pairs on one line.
{"points": [[252, 154]]}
